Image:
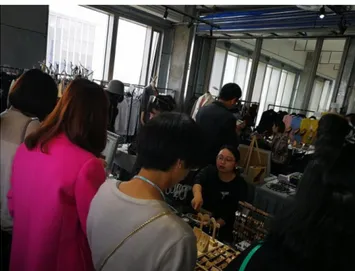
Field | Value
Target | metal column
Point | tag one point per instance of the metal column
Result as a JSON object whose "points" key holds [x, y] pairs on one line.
{"points": [[341, 69], [313, 72], [347, 77], [254, 68], [111, 48]]}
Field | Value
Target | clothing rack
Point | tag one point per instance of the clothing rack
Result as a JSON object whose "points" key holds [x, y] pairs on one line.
{"points": [[130, 107], [105, 83], [290, 108]]}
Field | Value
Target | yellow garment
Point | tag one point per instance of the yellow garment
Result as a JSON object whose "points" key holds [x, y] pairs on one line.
{"points": [[312, 131], [304, 128]]}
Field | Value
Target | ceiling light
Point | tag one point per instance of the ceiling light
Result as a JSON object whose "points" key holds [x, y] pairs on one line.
{"points": [[165, 16], [322, 12]]}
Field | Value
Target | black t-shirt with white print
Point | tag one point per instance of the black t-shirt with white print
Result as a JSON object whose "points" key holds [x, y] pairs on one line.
{"points": [[221, 198]]}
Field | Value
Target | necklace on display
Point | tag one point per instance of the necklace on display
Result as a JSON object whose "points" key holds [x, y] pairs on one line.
{"points": [[151, 183]]}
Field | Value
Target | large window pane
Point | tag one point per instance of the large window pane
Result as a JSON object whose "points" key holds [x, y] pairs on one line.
{"points": [[154, 55], [129, 52], [266, 83], [290, 81], [281, 89], [316, 95], [259, 82], [77, 35], [324, 96], [273, 87], [241, 72], [217, 71], [230, 69]]}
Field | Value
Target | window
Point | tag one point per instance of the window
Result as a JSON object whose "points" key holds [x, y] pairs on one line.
{"points": [[129, 51], [273, 87], [77, 36], [316, 95], [154, 57], [281, 88], [264, 93], [259, 81], [241, 73], [229, 71], [217, 71]]}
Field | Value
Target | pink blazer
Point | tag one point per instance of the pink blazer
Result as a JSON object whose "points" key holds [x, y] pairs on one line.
{"points": [[49, 201]]}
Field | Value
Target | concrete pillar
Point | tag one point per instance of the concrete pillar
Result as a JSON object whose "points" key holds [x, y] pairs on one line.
{"points": [[166, 52], [308, 76], [201, 66], [180, 57], [23, 35], [254, 68], [346, 78]]}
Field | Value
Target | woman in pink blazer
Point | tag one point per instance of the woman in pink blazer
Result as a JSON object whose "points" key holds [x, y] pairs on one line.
{"points": [[55, 175]]}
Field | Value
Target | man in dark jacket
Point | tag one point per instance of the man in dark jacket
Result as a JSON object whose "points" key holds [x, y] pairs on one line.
{"points": [[218, 122]]}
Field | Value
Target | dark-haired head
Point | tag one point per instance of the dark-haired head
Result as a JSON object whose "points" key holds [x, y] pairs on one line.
{"points": [[279, 127], [230, 94], [160, 104], [319, 225], [81, 114], [170, 143], [34, 94], [227, 159]]}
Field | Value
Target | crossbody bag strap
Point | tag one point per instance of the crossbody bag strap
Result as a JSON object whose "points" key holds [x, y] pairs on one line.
{"points": [[130, 235], [25, 129], [248, 257]]}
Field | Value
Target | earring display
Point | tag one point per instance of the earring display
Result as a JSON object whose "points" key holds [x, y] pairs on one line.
{"points": [[217, 259], [251, 224]]}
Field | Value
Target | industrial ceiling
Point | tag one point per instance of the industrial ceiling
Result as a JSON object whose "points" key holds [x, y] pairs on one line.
{"points": [[277, 21]]}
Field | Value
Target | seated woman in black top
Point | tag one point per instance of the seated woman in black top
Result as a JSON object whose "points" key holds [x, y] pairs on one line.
{"points": [[218, 189], [316, 232]]}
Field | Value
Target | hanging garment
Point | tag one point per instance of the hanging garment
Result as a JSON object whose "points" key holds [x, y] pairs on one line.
{"points": [[296, 124], [204, 100], [310, 136], [127, 116], [287, 120]]}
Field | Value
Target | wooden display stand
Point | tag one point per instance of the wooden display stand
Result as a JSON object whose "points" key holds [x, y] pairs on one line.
{"points": [[204, 241], [251, 224], [216, 259], [255, 166]]}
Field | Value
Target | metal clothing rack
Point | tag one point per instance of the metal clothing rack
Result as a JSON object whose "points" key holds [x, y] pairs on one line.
{"points": [[291, 108]]}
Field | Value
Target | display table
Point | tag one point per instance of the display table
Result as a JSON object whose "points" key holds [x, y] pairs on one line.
{"points": [[272, 201]]}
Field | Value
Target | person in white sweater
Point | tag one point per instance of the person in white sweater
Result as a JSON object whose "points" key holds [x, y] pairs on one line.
{"points": [[130, 227]]}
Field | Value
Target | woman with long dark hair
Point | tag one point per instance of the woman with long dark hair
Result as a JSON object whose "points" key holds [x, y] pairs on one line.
{"points": [[55, 175], [316, 232]]}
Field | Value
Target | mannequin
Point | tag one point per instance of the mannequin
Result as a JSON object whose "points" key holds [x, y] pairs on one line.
{"points": [[149, 91], [115, 93]]}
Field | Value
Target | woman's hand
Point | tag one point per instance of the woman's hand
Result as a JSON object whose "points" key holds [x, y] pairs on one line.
{"points": [[197, 201]]}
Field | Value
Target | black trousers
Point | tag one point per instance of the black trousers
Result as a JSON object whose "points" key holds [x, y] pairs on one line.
{"points": [[6, 239]]}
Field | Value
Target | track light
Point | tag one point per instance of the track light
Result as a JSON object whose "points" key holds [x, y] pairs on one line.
{"points": [[211, 31], [322, 12], [165, 16]]}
